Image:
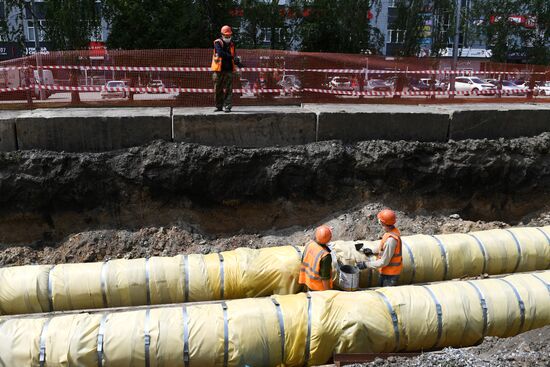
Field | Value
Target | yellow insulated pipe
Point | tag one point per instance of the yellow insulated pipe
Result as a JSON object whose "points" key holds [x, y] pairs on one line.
{"points": [[245, 273], [292, 330]]}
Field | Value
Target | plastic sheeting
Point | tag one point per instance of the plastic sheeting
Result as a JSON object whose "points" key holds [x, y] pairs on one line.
{"points": [[290, 330], [247, 272]]}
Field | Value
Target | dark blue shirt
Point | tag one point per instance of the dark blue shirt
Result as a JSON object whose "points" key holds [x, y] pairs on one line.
{"points": [[224, 51]]}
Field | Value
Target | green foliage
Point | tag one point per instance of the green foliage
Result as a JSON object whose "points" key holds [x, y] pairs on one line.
{"points": [[338, 26], [150, 24], [261, 17], [505, 38], [411, 18], [64, 30]]}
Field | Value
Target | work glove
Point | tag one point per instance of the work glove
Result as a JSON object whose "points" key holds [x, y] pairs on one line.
{"points": [[362, 265], [367, 251]]}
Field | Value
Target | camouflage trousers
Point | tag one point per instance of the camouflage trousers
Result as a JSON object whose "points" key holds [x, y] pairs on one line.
{"points": [[223, 88]]}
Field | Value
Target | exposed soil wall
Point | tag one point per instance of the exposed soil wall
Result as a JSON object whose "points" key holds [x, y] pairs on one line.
{"points": [[167, 198]]}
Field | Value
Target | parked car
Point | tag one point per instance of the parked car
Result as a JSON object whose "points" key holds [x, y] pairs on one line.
{"points": [[439, 85], [543, 89], [511, 89], [377, 85], [418, 85], [290, 84], [106, 93], [473, 85], [246, 87], [156, 84], [340, 83]]}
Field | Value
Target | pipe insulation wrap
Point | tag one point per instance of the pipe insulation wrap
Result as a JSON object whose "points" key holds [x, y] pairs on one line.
{"points": [[245, 272], [290, 330]]}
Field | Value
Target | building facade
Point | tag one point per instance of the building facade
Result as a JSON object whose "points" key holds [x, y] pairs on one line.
{"points": [[17, 30]]}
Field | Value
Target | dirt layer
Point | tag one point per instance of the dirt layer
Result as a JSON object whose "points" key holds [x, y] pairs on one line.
{"points": [[527, 349], [356, 224], [224, 191]]}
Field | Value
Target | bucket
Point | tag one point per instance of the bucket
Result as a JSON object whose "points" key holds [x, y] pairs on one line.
{"points": [[348, 278]]}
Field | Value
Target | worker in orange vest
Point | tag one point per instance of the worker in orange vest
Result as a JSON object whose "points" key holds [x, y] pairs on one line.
{"points": [[316, 268], [224, 63], [389, 261]]}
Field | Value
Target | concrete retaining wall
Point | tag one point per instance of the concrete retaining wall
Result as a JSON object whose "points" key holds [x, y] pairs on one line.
{"points": [[491, 122], [8, 140], [375, 122], [245, 127], [92, 130], [103, 129]]}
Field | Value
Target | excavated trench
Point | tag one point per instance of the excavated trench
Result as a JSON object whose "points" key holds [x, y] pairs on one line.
{"points": [[168, 198], [171, 198]]}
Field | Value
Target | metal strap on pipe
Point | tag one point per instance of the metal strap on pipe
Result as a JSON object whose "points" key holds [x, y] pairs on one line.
{"points": [[482, 249], [308, 336], [100, 338], [281, 327], [443, 255], [42, 355], [186, 279], [103, 281], [147, 337], [225, 335], [543, 282], [545, 234], [413, 265], [298, 251], [439, 315], [483, 303], [547, 239], [147, 286], [518, 246], [394, 319], [222, 277], [520, 304], [185, 337], [50, 289]]}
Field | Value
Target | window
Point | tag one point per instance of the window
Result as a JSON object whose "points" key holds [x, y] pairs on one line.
{"points": [[266, 36], [30, 30], [395, 36]]}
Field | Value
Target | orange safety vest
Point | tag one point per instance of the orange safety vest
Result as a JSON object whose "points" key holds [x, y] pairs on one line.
{"points": [[311, 267], [217, 59], [396, 263]]}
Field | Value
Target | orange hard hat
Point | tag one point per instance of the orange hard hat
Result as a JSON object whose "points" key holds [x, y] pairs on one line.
{"points": [[323, 234], [226, 30], [387, 217]]}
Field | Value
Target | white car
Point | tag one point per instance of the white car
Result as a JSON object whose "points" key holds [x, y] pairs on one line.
{"points": [[107, 92], [340, 83], [473, 85], [155, 84], [543, 89], [511, 89]]}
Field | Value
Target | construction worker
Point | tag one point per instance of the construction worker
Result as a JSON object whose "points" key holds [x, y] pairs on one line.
{"points": [[316, 268], [389, 261], [224, 63]]}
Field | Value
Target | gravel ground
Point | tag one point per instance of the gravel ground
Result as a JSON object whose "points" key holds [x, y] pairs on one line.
{"points": [[530, 349]]}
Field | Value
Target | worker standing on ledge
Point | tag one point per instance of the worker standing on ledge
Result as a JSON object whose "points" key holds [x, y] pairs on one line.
{"points": [[389, 261], [224, 63], [316, 268]]}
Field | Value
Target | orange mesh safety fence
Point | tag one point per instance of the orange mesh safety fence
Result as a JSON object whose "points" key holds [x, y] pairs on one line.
{"points": [[269, 77]]}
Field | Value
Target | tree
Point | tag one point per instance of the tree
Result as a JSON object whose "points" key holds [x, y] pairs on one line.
{"points": [[266, 19], [152, 24], [427, 25], [70, 24], [338, 26], [506, 36]]}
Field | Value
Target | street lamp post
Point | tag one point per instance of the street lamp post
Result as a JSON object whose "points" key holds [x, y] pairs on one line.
{"points": [[458, 7], [37, 52]]}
